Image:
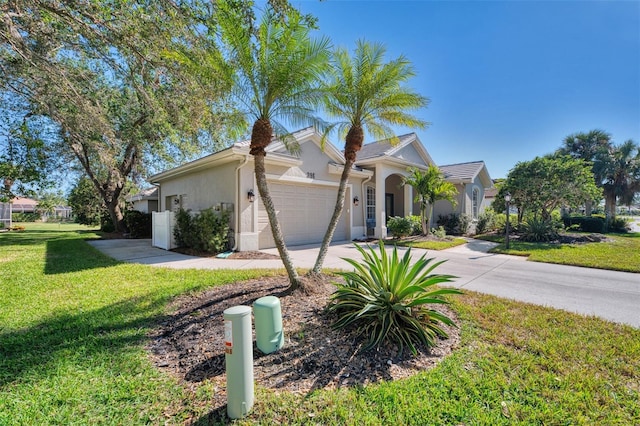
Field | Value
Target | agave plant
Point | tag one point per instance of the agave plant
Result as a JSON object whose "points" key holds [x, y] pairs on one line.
{"points": [[387, 299]]}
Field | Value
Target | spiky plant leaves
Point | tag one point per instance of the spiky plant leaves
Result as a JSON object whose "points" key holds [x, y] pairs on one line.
{"points": [[385, 298]]}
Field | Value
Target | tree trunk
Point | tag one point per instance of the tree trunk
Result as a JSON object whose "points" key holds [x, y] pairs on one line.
{"points": [[610, 205], [333, 223], [263, 189], [115, 213], [423, 218], [352, 144], [588, 207], [429, 211]]}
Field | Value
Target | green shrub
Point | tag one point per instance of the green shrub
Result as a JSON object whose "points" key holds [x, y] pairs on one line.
{"points": [[400, 227], [385, 298], [106, 224], [595, 223], [138, 223], [416, 223], [619, 225], [25, 217], [454, 223], [486, 222], [538, 230], [501, 222], [205, 232], [439, 232]]}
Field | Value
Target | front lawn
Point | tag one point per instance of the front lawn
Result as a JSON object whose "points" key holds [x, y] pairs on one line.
{"points": [[74, 324], [622, 253], [428, 243]]}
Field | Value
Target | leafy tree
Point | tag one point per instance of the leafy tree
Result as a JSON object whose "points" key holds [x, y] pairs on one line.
{"points": [[85, 202], [107, 74], [546, 183], [25, 157], [278, 69], [430, 186], [364, 93]]}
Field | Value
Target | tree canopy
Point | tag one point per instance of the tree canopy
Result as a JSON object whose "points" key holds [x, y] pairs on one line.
{"points": [[545, 183], [429, 186], [112, 77], [616, 168]]}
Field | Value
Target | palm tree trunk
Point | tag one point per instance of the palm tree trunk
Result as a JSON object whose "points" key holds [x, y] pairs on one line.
{"points": [[610, 205], [333, 223], [428, 218], [263, 189], [423, 219]]}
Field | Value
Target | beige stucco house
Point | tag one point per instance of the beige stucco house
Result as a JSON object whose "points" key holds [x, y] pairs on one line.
{"points": [[145, 201], [304, 188]]}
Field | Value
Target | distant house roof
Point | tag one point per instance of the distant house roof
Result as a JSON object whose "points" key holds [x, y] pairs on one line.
{"points": [[23, 205], [466, 172], [145, 194], [491, 192]]}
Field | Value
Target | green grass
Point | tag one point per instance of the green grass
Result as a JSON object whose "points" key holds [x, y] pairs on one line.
{"points": [[621, 254], [430, 244], [73, 325]]}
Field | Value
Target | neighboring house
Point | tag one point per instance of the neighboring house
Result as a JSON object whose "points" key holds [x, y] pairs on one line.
{"points": [[473, 183], [28, 205], [145, 201], [23, 205], [303, 188]]}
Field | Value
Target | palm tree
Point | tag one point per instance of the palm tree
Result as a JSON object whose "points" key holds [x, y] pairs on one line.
{"points": [[278, 74], [430, 186], [365, 94], [589, 147], [621, 167]]}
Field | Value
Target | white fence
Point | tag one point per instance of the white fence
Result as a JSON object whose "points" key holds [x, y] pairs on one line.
{"points": [[162, 224]]}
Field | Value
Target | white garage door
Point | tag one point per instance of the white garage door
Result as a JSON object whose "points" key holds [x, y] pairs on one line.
{"points": [[303, 212]]}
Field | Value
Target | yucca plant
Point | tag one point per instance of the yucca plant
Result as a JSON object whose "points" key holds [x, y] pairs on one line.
{"points": [[387, 299]]}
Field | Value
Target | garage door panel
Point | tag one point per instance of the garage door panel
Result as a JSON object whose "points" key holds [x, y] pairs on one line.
{"points": [[303, 213]]}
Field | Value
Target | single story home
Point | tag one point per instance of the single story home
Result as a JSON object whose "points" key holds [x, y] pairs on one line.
{"points": [[474, 187], [145, 201], [304, 188]]}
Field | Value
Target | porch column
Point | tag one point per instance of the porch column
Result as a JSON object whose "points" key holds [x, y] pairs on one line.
{"points": [[408, 200], [381, 214]]}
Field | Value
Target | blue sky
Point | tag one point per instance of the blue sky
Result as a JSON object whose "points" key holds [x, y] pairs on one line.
{"points": [[508, 80]]}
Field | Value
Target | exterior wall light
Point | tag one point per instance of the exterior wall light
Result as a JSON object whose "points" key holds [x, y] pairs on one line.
{"points": [[356, 201], [251, 196]]}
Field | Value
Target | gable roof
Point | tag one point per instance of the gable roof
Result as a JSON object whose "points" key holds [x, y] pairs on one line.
{"points": [[383, 149], [467, 172]]}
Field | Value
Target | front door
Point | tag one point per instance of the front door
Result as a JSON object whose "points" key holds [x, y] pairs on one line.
{"points": [[388, 205]]}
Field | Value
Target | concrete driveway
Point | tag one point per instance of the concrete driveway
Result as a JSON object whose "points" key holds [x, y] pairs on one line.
{"points": [[614, 296]]}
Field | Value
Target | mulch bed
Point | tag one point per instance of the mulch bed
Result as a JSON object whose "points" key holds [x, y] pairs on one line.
{"points": [[189, 342]]}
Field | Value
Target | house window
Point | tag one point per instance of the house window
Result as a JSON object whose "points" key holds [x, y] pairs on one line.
{"points": [[475, 201], [371, 202]]}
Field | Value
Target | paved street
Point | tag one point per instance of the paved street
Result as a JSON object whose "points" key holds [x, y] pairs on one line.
{"points": [[611, 295]]}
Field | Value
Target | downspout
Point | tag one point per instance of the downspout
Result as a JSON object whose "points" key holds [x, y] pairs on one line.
{"points": [[364, 205], [236, 210]]}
